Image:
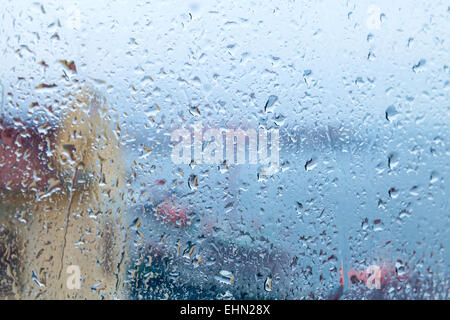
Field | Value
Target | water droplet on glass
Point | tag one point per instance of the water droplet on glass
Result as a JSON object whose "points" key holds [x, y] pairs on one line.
{"points": [[268, 284], [270, 102], [225, 276]]}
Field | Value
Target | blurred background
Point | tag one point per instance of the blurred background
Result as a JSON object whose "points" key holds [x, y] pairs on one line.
{"points": [[359, 91]]}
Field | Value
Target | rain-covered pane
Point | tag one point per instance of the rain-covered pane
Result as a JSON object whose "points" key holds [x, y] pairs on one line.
{"points": [[224, 149]]}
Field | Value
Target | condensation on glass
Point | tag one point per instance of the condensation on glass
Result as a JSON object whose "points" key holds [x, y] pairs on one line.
{"points": [[219, 150]]}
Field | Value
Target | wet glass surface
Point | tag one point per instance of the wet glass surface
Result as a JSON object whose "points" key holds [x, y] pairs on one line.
{"points": [[224, 150]]}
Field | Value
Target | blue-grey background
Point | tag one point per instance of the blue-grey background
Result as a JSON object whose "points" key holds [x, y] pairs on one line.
{"points": [[356, 81]]}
